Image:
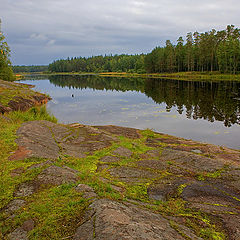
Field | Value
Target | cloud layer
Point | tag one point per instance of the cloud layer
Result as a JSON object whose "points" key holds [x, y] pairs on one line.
{"points": [[39, 32]]}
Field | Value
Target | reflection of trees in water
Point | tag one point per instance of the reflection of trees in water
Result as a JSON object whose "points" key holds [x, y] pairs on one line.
{"points": [[202, 100], [207, 100], [98, 83], [35, 77]]}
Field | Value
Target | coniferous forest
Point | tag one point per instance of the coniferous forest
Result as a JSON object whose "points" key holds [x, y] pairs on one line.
{"points": [[30, 69], [116, 63], [209, 51]]}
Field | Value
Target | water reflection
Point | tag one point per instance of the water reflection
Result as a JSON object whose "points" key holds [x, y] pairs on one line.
{"points": [[212, 101]]}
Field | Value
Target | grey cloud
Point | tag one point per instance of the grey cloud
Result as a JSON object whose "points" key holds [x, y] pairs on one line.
{"points": [[39, 32]]}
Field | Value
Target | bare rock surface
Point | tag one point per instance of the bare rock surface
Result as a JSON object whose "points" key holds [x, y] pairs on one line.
{"points": [[87, 190], [37, 138], [121, 131], [123, 152], [108, 159], [42, 164], [164, 189], [211, 193], [129, 174], [151, 154], [191, 161], [153, 164], [26, 189], [14, 205], [202, 177], [57, 175], [18, 234], [49, 140], [114, 221]]}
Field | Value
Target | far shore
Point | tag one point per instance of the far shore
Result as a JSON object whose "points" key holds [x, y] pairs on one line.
{"points": [[184, 76]]}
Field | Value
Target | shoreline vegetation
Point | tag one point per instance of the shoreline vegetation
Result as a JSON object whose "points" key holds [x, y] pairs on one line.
{"points": [[185, 76], [179, 75]]}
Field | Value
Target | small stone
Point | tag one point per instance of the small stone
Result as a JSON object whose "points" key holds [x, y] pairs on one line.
{"points": [[160, 192], [197, 151], [28, 225], [104, 180]]}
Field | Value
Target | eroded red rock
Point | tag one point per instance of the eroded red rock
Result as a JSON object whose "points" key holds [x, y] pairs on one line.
{"points": [[20, 154]]}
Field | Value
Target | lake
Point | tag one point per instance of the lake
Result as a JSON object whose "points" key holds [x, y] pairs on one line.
{"points": [[202, 111]]}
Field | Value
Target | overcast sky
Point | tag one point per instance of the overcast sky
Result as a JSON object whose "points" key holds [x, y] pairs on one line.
{"points": [[39, 32]]}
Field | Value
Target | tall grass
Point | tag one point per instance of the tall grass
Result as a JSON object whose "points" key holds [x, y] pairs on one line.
{"points": [[34, 113]]}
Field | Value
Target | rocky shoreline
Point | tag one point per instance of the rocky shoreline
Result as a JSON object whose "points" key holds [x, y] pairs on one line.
{"points": [[19, 97], [204, 177], [108, 182]]}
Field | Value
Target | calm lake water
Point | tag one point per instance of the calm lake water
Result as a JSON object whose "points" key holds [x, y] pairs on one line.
{"points": [[202, 111]]}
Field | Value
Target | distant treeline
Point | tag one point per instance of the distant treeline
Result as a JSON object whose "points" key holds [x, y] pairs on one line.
{"points": [[209, 51], [41, 68], [116, 63]]}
